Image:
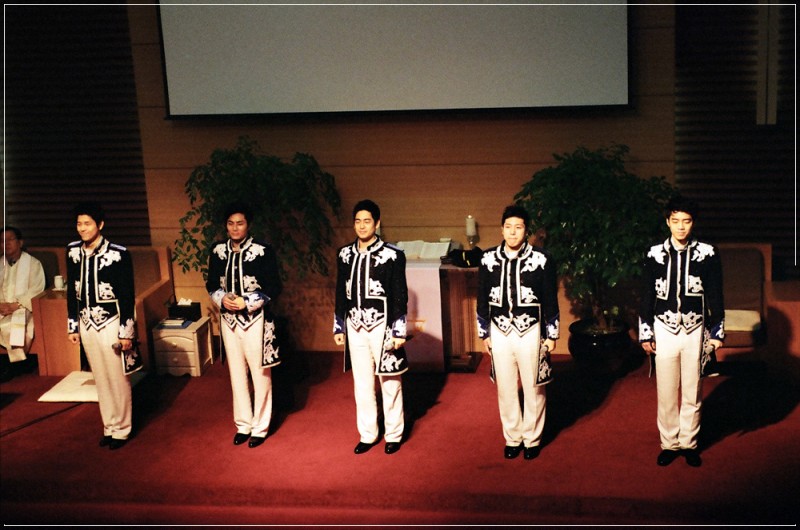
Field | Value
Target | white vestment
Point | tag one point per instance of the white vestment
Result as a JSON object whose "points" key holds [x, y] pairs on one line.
{"points": [[19, 283]]}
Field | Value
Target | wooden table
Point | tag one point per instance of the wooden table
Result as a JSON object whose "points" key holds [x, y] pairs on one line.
{"points": [[57, 355]]}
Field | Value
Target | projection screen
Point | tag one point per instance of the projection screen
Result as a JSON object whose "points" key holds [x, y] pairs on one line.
{"points": [[325, 58]]}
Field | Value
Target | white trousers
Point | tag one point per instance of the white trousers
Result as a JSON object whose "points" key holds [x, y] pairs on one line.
{"points": [[514, 359], [113, 386], [680, 391], [365, 354], [243, 349]]}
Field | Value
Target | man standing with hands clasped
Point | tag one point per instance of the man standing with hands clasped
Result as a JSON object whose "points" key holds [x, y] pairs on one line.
{"points": [[243, 278], [370, 321], [518, 320], [681, 322]]}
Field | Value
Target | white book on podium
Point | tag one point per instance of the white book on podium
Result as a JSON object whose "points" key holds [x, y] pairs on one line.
{"points": [[426, 250]]}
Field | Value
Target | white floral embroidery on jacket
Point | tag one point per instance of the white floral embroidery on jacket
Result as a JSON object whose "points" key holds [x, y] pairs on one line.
{"points": [[702, 250], [534, 261], [105, 291], [385, 254], [109, 256], [490, 260], [375, 287], [694, 284], [527, 295], [253, 251], [658, 253]]}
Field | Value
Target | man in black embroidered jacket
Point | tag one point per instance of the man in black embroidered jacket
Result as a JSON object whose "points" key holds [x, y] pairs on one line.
{"points": [[682, 307], [100, 314], [518, 320], [370, 317], [243, 277]]}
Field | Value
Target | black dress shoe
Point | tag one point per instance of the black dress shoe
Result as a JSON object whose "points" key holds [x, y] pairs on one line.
{"points": [[239, 438], [692, 457], [391, 447], [105, 440], [255, 441], [667, 456], [116, 443], [512, 451], [362, 447], [531, 452]]}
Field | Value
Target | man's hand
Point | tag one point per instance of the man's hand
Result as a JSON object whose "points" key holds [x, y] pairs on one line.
{"points": [[126, 344], [550, 344], [397, 342], [716, 343], [487, 345], [6, 308], [649, 347], [233, 304], [74, 338], [338, 338]]}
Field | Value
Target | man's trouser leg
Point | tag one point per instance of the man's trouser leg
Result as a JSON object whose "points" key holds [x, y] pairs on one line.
{"points": [[678, 387], [514, 359], [243, 350], [113, 386], [361, 344]]}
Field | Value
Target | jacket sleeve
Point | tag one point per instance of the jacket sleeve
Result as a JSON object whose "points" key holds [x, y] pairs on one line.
{"points": [[399, 297], [73, 275], [483, 311], [127, 297], [268, 277], [215, 272], [715, 304], [550, 312], [646, 308], [272, 280], [340, 308]]}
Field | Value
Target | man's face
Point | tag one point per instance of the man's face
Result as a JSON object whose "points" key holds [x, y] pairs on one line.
{"points": [[365, 226], [12, 246], [88, 229], [237, 227], [680, 226], [514, 233]]}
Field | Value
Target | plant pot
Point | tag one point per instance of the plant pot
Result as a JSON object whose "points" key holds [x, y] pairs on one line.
{"points": [[587, 342]]}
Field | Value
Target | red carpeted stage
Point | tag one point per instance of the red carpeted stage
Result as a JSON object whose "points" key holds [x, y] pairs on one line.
{"points": [[597, 465]]}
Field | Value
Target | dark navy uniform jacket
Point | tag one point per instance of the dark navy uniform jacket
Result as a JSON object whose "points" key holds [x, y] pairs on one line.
{"points": [[100, 288]]}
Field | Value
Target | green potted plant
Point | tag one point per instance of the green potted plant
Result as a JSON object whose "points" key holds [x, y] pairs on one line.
{"points": [[291, 201], [598, 220]]}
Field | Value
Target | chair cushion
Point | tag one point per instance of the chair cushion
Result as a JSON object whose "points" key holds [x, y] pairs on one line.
{"points": [[742, 320]]}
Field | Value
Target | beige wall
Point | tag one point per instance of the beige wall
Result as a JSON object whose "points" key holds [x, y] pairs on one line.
{"points": [[426, 172]]}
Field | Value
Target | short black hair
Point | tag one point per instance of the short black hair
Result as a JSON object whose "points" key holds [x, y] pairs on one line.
{"points": [[238, 207], [17, 231], [516, 210], [681, 203], [369, 206], [92, 209]]}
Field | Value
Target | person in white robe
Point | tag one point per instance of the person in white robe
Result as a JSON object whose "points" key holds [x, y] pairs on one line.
{"points": [[21, 278]]}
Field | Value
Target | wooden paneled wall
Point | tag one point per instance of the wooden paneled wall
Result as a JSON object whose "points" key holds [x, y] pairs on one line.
{"points": [[427, 171], [741, 169], [71, 128]]}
